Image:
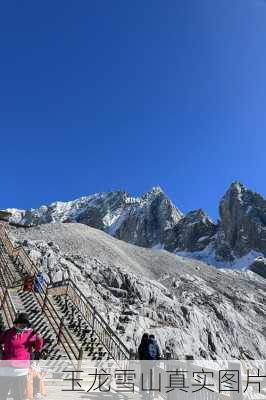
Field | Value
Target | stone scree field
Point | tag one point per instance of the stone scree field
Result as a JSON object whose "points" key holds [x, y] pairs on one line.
{"points": [[191, 307]]}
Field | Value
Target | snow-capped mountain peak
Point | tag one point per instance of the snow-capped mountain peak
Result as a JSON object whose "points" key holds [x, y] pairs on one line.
{"points": [[139, 220], [152, 220]]}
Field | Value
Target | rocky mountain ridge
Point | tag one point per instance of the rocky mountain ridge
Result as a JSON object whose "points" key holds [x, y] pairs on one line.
{"points": [[153, 221]]}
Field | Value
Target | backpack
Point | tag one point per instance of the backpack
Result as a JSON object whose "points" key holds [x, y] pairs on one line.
{"points": [[152, 351], [3, 335]]}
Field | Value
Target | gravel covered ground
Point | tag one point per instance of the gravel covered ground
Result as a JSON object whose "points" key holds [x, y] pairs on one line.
{"points": [[193, 308], [74, 238]]}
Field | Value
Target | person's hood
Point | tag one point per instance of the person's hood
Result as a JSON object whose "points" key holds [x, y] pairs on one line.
{"points": [[144, 340]]}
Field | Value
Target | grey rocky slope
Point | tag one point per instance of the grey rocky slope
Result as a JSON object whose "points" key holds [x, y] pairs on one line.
{"points": [[191, 307], [153, 221], [243, 222]]}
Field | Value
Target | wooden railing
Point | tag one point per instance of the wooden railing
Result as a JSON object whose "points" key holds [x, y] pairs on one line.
{"points": [[63, 334], [9, 248], [26, 266], [21, 258], [7, 278], [114, 346], [7, 306], [8, 275]]}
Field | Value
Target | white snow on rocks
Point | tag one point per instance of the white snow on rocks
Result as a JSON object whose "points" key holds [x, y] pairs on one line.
{"points": [[209, 256]]}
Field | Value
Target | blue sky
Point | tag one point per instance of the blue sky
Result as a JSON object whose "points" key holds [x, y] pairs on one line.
{"points": [[103, 95]]}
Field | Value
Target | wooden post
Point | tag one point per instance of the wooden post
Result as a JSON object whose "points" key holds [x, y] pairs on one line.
{"points": [[6, 273], [45, 298], [4, 298], [80, 354], [15, 253], [67, 288], [80, 357], [93, 320], [16, 258], [34, 282], [60, 330]]}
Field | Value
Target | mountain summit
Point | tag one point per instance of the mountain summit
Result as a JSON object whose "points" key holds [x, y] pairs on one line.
{"points": [[153, 221], [143, 220], [243, 222]]}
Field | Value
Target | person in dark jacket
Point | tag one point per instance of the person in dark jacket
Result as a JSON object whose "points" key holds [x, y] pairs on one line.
{"points": [[143, 355], [143, 347], [148, 351], [153, 349]]}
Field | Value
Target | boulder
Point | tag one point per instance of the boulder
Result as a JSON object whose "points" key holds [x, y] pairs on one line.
{"points": [[259, 266]]}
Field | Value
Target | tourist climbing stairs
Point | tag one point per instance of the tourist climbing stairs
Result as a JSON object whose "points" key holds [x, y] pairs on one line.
{"points": [[61, 313], [17, 301]]}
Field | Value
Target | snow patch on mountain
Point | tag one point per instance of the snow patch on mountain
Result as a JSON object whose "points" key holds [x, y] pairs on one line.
{"points": [[116, 221], [209, 256]]}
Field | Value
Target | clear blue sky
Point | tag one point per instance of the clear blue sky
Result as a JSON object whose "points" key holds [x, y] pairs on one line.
{"points": [[104, 94]]}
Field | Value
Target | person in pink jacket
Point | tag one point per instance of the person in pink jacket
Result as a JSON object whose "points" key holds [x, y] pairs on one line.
{"points": [[17, 345]]}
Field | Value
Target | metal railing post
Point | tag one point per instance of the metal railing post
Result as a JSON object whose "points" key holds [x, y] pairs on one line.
{"points": [[93, 320], [5, 272], [45, 298], [80, 358], [67, 289], [4, 298], [60, 330]]}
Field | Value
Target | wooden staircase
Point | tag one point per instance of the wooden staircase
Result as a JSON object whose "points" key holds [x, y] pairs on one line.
{"points": [[70, 325]]}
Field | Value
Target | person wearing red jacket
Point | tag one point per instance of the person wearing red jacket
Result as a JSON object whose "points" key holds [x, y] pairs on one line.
{"points": [[17, 345]]}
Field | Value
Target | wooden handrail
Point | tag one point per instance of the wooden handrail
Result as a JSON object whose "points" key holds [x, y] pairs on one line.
{"points": [[7, 306], [8, 275], [106, 335], [20, 254], [6, 303], [6, 241], [22, 258], [109, 339], [54, 319], [11, 310]]}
